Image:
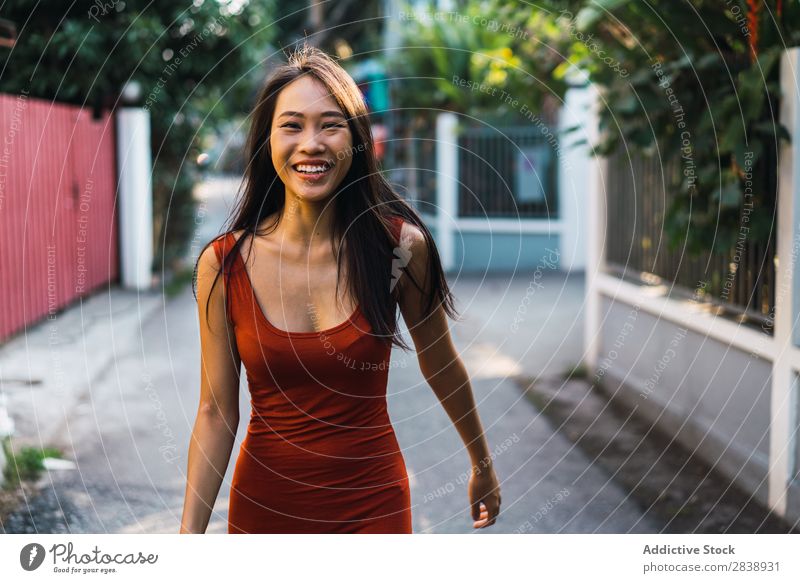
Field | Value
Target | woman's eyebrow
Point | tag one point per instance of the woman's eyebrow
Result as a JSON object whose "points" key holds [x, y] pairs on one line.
{"points": [[323, 114]]}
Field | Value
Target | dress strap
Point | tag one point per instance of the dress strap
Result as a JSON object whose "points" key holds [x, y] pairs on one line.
{"points": [[396, 223], [223, 247]]}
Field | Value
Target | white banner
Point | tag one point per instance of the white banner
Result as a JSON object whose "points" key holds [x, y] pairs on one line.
{"points": [[389, 558]]}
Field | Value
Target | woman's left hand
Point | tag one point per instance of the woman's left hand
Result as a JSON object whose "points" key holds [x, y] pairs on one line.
{"points": [[484, 496]]}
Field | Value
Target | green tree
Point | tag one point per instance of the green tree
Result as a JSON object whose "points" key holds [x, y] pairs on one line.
{"points": [[471, 59], [703, 90], [346, 27], [197, 63]]}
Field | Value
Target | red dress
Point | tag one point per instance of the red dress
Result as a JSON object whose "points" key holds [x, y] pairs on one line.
{"points": [[320, 454]]}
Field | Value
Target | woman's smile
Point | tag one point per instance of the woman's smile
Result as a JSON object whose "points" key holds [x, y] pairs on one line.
{"points": [[313, 171], [310, 139]]}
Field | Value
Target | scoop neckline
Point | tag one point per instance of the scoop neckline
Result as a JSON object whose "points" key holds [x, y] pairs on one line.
{"points": [[263, 317]]}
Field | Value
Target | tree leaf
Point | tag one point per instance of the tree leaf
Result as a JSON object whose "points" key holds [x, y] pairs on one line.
{"points": [[599, 9], [729, 196]]}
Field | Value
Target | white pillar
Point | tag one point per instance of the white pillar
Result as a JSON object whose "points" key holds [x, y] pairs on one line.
{"points": [[6, 430], [446, 186], [575, 168], [595, 214], [783, 397], [135, 170]]}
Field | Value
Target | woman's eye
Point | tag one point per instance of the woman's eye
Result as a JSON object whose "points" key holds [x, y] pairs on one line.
{"points": [[326, 126]]}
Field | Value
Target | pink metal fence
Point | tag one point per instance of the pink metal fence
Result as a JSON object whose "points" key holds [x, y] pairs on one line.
{"points": [[58, 233]]}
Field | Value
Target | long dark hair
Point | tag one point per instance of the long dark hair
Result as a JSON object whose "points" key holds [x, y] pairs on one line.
{"points": [[364, 201]]}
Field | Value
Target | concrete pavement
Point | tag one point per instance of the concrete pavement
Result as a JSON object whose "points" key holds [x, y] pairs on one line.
{"points": [[548, 485]]}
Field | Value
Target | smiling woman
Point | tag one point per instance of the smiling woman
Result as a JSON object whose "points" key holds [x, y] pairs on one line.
{"points": [[320, 454], [297, 168]]}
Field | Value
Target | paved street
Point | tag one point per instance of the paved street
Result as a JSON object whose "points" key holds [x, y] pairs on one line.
{"points": [[128, 419], [548, 485]]}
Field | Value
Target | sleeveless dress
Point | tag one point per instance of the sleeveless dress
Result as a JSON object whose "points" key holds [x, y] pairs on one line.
{"points": [[320, 454]]}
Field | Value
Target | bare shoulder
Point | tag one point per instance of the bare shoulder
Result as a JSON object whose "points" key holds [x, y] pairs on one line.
{"points": [[413, 256], [425, 318], [209, 260], [412, 241], [210, 284], [411, 236]]}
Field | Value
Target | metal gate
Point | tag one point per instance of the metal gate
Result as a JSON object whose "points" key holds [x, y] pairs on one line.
{"points": [[58, 233]]}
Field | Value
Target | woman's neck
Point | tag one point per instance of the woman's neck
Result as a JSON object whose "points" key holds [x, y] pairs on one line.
{"points": [[304, 228]]}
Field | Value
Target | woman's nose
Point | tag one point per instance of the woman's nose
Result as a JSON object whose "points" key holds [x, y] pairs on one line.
{"points": [[312, 142]]}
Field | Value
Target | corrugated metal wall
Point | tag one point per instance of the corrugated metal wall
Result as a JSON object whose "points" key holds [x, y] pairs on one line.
{"points": [[58, 228]]}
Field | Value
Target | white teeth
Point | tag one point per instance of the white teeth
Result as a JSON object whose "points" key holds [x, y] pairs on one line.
{"points": [[311, 169]]}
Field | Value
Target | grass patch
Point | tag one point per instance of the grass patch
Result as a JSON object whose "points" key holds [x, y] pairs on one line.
{"points": [[577, 371], [25, 464], [179, 280]]}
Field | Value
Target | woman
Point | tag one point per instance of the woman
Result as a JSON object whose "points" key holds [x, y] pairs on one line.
{"points": [[320, 454]]}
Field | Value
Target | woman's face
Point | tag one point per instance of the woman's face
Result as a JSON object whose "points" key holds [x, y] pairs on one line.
{"points": [[310, 139]]}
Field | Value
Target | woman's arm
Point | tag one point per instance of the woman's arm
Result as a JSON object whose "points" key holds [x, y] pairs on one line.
{"points": [[446, 375], [214, 430]]}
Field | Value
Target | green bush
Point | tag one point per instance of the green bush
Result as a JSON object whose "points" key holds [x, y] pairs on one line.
{"points": [[25, 464], [576, 371], [701, 88]]}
